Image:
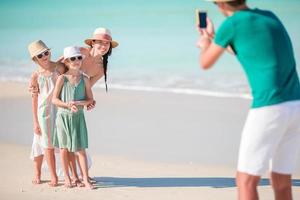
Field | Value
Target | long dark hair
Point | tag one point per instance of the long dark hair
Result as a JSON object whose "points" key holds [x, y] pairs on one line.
{"points": [[105, 61]]}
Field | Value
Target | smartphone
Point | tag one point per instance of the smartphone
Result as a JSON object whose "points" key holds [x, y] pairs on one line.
{"points": [[201, 18]]}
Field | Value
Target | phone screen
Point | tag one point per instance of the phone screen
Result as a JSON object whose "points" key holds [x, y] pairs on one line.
{"points": [[202, 19]]}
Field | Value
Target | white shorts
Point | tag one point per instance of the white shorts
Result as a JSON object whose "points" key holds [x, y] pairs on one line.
{"points": [[271, 139]]}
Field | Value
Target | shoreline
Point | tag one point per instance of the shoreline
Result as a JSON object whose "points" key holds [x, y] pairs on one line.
{"points": [[168, 90]]}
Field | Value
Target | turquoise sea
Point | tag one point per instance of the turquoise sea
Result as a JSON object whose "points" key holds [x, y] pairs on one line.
{"points": [[157, 41]]}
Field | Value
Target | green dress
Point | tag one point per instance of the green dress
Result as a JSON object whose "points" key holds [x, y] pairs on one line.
{"points": [[71, 130]]}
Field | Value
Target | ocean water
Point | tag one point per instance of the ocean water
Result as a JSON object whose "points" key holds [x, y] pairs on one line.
{"points": [[157, 41]]}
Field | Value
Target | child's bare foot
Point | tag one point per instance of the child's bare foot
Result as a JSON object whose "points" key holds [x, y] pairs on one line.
{"points": [[89, 185], [77, 183], [68, 183], [90, 179], [53, 182], [36, 181]]}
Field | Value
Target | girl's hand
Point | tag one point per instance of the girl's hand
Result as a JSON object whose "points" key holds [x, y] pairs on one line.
{"points": [[37, 129], [74, 108], [70, 104], [91, 106]]}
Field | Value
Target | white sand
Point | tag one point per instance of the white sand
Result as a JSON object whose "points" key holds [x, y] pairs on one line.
{"points": [[143, 145]]}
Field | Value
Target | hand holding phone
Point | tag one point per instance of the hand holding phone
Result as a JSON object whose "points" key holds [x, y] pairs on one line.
{"points": [[201, 18]]}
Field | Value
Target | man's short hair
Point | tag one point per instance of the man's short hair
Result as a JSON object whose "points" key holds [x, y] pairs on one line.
{"points": [[236, 3]]}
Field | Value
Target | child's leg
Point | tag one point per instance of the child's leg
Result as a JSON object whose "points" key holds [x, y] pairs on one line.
{"points": [[72, 164], [78, 164], [64, 154], [77, 160], [37, 169], [84, 167], [50, 157]]}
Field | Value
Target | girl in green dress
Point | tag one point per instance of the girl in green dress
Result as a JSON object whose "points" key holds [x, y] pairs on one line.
{"points": [[71, 93]]}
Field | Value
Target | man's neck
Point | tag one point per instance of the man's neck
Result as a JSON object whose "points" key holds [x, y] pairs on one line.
{"points": [[232, 10]]}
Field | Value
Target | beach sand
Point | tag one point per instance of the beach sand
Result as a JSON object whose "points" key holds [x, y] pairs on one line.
{"points": [[144, 145]]}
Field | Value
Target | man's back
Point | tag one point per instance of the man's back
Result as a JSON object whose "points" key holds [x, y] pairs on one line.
{"points": [[264, 49]]}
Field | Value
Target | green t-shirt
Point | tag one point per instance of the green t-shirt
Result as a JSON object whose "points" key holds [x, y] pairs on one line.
{"points": [[264, 49]]}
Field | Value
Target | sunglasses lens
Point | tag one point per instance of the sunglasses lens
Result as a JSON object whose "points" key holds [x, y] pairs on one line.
{"points": [[79, 57], [39, 56], [73, 58], [46, 53]]}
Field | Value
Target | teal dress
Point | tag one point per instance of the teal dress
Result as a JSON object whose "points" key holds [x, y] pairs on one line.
{"points": [[71, 130]]}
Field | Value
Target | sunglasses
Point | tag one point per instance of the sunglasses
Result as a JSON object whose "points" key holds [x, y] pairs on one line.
{"points": [[101, 42], [76, 57], [46, 53]]}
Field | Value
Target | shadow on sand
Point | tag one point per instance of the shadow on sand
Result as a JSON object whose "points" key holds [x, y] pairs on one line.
{"points": [[218, 182]]}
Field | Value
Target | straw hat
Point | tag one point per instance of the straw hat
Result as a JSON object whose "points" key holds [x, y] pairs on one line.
{"points": [[37, 47], [71, 51], [102, 34]]}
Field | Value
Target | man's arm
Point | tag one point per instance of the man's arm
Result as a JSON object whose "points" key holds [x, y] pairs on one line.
{"points": [[210, 52]]}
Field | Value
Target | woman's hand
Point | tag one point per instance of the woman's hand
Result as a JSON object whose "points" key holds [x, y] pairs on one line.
{"points": [[60, 59], [91, 106]]}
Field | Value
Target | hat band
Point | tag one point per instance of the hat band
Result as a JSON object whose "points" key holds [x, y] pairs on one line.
{"points": [[102, 37]]}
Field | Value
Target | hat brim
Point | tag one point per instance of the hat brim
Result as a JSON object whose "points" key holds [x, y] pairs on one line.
{"points": [[114, 44]]}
